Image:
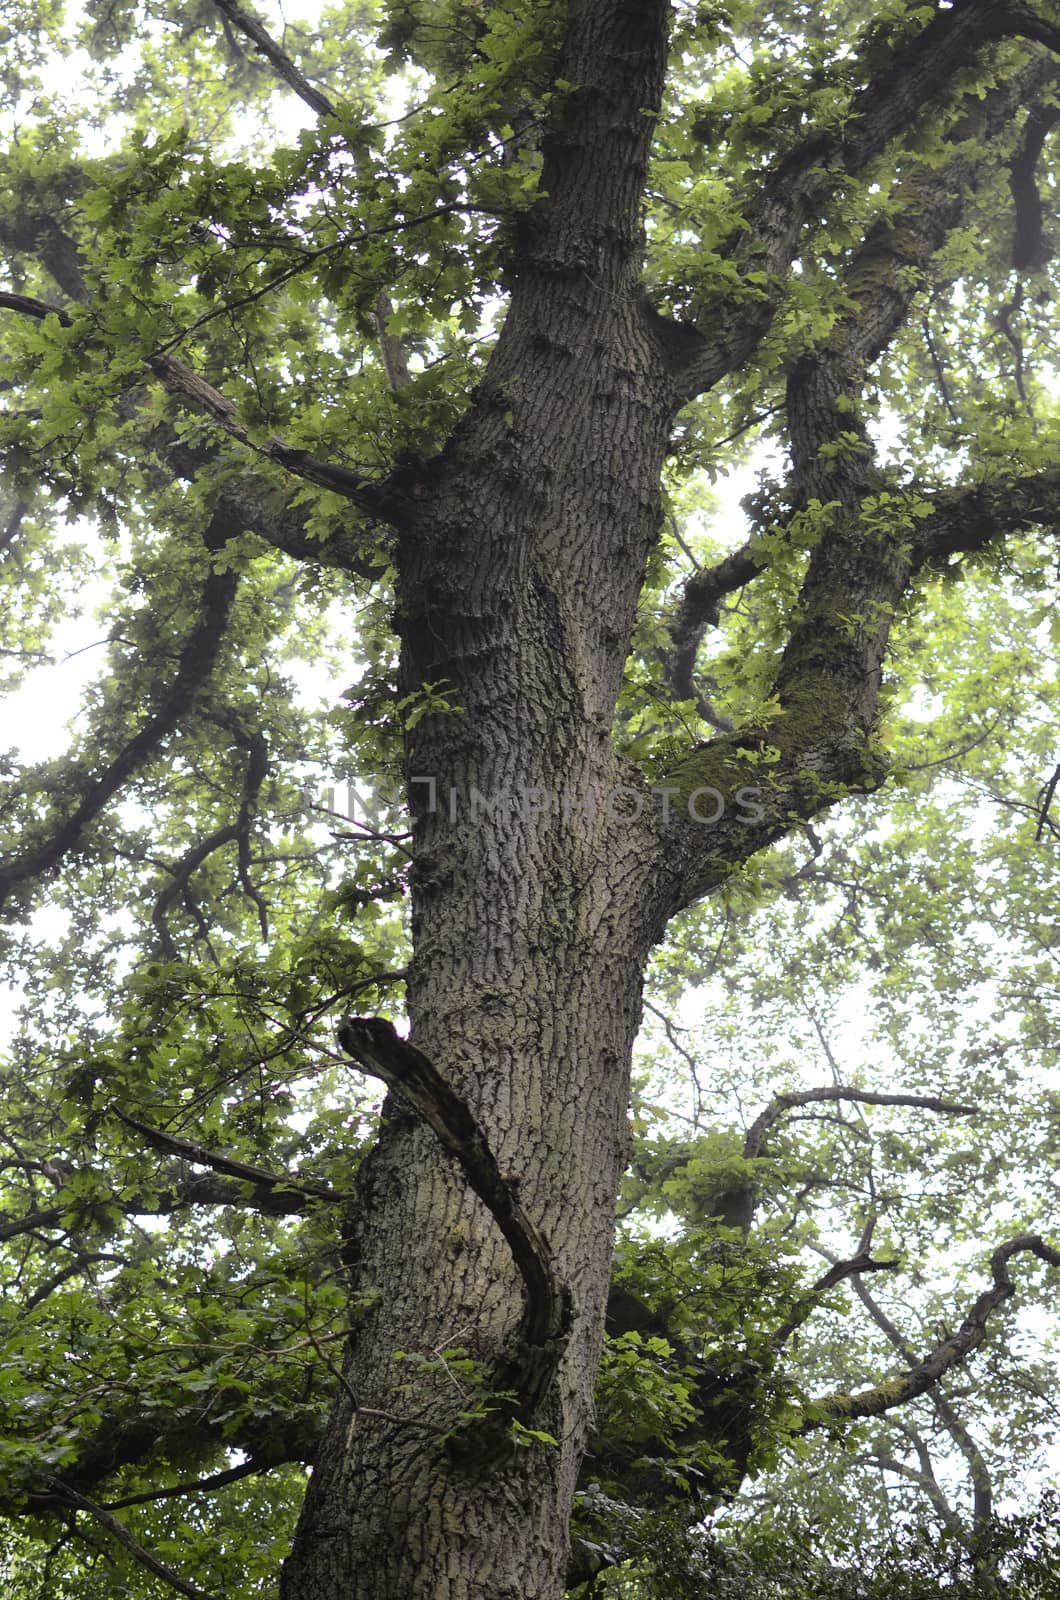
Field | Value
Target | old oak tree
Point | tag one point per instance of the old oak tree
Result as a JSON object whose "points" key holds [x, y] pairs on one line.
{"points": [[408, 339]]}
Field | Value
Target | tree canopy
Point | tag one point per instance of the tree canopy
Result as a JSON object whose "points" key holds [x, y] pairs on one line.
{"points": [[378, 389]]}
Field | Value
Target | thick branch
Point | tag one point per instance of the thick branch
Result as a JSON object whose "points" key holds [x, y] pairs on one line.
{"points": [[272, 1195], [827, 681], [187, 385], [379, 1050], [277, 1196], [970, 518], [27, 231], [188, 1430], [49, 1217], [801, 184], [1029, 247], [252, 504], [738, 793], [249, 502], [956, 1347], [881, 281], [883, 277]]}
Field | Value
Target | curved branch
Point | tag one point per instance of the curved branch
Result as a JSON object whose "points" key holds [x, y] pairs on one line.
{"points": [[142, 1556], [80, 1263], [700, 609], [196, 663], [378, 1049], [808, 1303], [982, 1491], [955, 1348], [781, 1103], [180, 875]]}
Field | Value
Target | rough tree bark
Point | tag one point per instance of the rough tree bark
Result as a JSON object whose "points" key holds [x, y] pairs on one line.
{"points": [[521, 559]]}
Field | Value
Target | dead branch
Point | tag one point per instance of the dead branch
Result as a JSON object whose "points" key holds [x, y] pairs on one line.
{"points": [[377, 1049]]}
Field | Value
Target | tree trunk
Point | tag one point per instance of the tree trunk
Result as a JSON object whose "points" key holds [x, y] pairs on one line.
{"points": [[393, 1511], [532, 919], [520, 562]]}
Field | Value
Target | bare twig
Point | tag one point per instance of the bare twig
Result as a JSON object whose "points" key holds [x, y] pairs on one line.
{"points": [[686, 1055]]}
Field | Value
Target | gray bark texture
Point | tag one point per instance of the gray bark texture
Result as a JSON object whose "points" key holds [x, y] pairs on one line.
{"points": [[521, 559]]}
